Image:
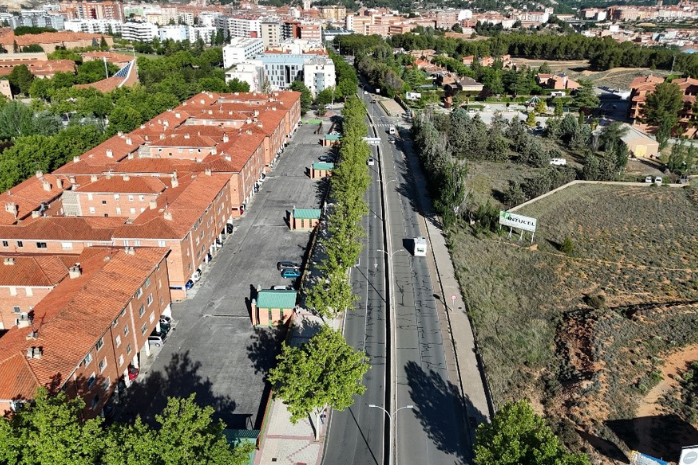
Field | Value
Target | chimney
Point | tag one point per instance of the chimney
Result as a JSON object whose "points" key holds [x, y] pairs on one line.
{"points": [[76, 158], [153, 204], [273, 108], [74, 271], [249, 131], [142, 126], [162, 135], [167, 215], [178, 115], [36, 213], [128, 141], [186, 135], [11, 207], [120, 133], [93, 178], [30, 352], [39, 173], [38, 352], [31, 336], [23, 321], [126, 177], [110, 153], [227, 158], [165, 124], [130, 156], [248, 121], [129, 251], [72, 179], [207, 172], [9, 260], [210, 112], [59, 183], [46, 185]]}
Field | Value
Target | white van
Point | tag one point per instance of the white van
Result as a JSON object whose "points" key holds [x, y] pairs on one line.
{"points": [[420, 247], [391, 130]]}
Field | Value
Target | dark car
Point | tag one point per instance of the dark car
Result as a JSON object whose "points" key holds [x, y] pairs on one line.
{"points": [[285, 264]]}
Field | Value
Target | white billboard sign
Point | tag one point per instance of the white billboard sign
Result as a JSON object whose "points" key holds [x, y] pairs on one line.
{"points": [[517, 221]]}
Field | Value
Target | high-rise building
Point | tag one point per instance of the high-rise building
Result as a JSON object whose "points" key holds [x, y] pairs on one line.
{"points": [[271, 32], [241, 49]]}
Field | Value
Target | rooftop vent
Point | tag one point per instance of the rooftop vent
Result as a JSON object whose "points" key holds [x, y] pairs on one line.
{"points": [[75, 271]]}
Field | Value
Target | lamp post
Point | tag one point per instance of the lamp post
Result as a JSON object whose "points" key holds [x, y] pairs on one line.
{"points": [[391, 459], [390, 254]]}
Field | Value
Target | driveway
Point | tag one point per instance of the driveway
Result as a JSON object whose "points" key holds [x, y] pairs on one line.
{"points": [[213, 350]]}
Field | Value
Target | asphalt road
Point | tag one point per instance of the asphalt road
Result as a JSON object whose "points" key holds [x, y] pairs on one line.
{"points": [[356, 435], [214, 351], [431, 432]]}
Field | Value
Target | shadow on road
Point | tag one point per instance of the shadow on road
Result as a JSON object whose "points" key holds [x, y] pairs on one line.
{"points": [[265, 345], [180, 378], [433, 399]]}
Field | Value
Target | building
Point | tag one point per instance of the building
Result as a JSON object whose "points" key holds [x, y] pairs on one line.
{"points": [[5, 89], [37, 63], [90, 328], [640, 145], [556, 82], [270, 32], [239, 26], [49, 41], [639, 88], [273, 308], [319, 74], [250, 71], [241, 49], [94, 26], [291, 30], [333, 12], [304, 218], [311, 32], [142, 32], [37, 18], [319, 170], [93, 10]]}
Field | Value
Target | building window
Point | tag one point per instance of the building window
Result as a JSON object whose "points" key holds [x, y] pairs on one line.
{"points": [[89, 196], [91, 381], [121, 360], [41, 245], [141, 197], [116, 196], [147, 281], [5, 244], [118, 341], [20, 244], [144, 328], [95, 402], [139, 292], [130, 198], [151, 318], [118, 211], [106, 385], [125, 330], [104, 202], [150, 299], [29, 291], [141, 310], [100, 343], [128, 349], [132, 211], [67, 245], [88, 358], [102, 364], [13, 290]]}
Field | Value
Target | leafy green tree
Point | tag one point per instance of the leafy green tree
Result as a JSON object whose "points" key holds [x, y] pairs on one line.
{"points": [[662, 109], [325, 96], [545, 68], [124, 119], [531, 119], [17, 119], [585, 97], [212, 85], [558, 108], [235, 85], [306, 95], [49, 430], [517, 436], [452, 192], [541, 107], [21, 79], [325, 371]]}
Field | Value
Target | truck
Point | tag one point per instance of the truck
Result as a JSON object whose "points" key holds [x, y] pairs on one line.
{"points": [[420, 247]]}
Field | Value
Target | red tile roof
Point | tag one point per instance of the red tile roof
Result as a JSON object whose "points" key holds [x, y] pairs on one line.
{"points": [[34, 270], [97, 229], [113, 149], [240, 148], [29, 195], [186, 139], [81, 307], [125, 185]]}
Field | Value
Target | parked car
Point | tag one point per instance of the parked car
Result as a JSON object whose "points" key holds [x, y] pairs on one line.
{"points": [[373, 100], [371, 161], [558, 161], [658, 180], [133, 372], [648, 179], [290, 273], [157, 339], [286, 264], [282, 288], [165, 323], [323, 158]]}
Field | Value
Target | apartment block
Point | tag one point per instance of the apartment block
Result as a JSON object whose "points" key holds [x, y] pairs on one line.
{"points": [[114, 298], [92, 10], [271, 32], [319, 74], [142, 32], [241, 49]]}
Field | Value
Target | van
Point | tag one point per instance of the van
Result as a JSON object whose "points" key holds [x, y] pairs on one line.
{"points": [[420, 247], [391, 130]]}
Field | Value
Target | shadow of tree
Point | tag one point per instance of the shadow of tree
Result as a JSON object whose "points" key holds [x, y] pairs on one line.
{"points": [[442, 411], [180, 378], [604, 447], [266, 343], [660, 436]]}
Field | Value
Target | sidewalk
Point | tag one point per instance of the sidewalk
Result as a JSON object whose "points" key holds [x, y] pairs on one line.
{"points": [[286, 443]]}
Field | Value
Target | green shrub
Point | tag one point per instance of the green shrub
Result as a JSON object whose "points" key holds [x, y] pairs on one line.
{"points": [[567, 246]]}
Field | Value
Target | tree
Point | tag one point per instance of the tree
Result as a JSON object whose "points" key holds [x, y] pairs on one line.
{"points": [[545, 68], [236, 85], [531, 119], [662, 109], [517, 436], [306, 96], [124, 119], [325, 371], [585, 97], [21, 79], [541, 107], [558, 108]]}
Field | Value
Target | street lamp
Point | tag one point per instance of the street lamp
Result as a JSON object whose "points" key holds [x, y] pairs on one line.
{"points": [[391, 458], [390, 254]]}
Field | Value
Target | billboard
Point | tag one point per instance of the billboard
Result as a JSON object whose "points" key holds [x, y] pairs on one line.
{"points": [[517, 221], [689, 456]]}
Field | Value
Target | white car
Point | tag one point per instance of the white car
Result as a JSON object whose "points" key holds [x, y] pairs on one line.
{"points": [[371, 161], [648, 179], [658, 180], [558, 161]]}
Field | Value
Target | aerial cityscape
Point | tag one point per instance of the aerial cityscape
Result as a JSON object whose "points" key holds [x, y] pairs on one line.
{"points": [[377, 232]]}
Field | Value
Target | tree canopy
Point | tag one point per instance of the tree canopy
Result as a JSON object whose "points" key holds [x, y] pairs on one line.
{"points": [[49, 430], [517, 436], [306, 95]]}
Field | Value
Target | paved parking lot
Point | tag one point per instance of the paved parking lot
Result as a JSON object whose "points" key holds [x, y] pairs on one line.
{"points": [[214, 351]]}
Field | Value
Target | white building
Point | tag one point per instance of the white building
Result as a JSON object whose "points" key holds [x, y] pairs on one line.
{"points": [[298, 46], [143, 32], [234, 26], [186, 18], [201, 32], [176, 33], [251, 72], [94, 26], [241, 49], [319, 74], [208, 18], [465, 14]]}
